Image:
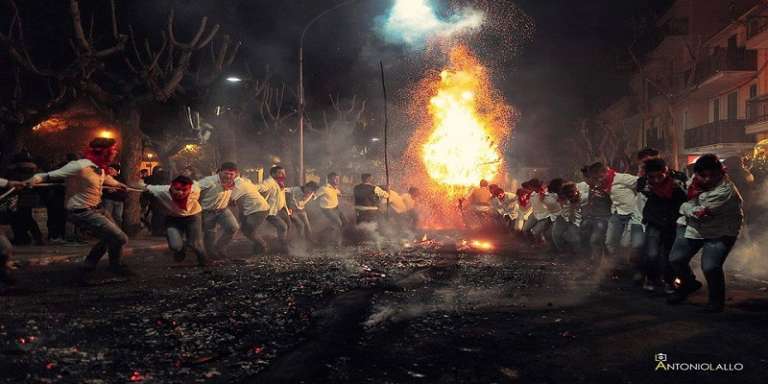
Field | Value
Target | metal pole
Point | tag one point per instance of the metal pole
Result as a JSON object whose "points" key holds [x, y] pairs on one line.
{"points": [[386, 128], [302, 176]]}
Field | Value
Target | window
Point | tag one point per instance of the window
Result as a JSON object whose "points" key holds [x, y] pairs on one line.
{"points": [[733, 105], [715, 110], [684, 120], [753, 91]]}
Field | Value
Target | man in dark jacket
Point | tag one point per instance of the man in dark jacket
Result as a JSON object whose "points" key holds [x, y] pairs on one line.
{"points": [[367, 196], [665, 195]]}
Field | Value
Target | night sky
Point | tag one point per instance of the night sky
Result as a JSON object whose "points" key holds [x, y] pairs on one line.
{"points": [[573, 65]]}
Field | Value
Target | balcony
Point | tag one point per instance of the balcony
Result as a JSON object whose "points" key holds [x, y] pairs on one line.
{"points": [[757, 113], [723, 70], [719, 134], [757, 32]]}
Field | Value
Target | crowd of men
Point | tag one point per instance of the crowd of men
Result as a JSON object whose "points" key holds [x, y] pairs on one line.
{"points": [[652, 223], [200, 216]]}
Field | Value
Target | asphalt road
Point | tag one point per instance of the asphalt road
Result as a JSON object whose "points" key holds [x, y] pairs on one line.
{"points": [[424, 314]]}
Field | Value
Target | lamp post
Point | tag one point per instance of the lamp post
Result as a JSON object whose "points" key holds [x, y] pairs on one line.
{"points": [[302, 177]]}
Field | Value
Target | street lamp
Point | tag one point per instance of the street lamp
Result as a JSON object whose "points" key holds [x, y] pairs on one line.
{"points": [[234, 79], [301, 83]]}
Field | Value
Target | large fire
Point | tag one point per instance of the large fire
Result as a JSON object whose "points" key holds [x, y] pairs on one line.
{"points": [[460, 141]]}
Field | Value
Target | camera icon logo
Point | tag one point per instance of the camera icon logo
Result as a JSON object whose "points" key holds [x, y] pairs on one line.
{"points": [[660, 357]]}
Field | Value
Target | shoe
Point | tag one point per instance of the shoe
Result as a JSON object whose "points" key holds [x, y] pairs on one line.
{"points": [[669, 288], [682, 293], [122, 270]]}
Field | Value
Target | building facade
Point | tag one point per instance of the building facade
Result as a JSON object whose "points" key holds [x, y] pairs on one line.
{"points": [[704, 87]]}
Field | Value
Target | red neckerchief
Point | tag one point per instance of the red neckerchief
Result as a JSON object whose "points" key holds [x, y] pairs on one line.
{"points": [[98, 156], [181, 202], [280, 181], [694, 190], [524, 195], [665, 189], [610, 174]]}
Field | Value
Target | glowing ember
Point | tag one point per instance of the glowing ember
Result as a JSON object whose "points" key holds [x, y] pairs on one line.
{"points": [[483, 245], [677, 283], [136, 376], [424, 238]]}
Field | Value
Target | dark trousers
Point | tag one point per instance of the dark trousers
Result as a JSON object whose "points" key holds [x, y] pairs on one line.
{"points": [[336, 222], [367, 216], [225, 219], [23, 225], [57, 221], [5, 252], [658, 245], [713, 255], [593, 231], [300, 222], [280, 222], [188, 230], [250, 226], [111, 237]]}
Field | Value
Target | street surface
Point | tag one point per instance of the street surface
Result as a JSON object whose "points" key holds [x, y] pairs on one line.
{"points": [[422, 314]]}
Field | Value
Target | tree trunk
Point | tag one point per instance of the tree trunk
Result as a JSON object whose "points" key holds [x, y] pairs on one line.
{"points": [[130, 132]]}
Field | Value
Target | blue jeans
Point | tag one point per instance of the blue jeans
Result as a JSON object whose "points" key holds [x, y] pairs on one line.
{"points": [[593, 233], [229, 226], [114, 209], [617, 224], [566, 236], [6, 249], [111, 237], [336, 222], [191, 227], [658, 245], [713, 255]]}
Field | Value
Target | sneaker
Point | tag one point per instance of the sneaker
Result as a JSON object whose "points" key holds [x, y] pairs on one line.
{"points": [[682, 293], [638, 278], [669, 288], [122, 270]]}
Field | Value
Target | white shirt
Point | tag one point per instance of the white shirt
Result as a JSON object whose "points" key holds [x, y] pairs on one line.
{"points": [[213, 196], [396, 202], [274, 195], [246, 194], [298, 199], [84, 181], [410, 203], [624, 195], [507, 207], [546, 208], [163, 195], [573, 212], [725, 215], [328, 196]]}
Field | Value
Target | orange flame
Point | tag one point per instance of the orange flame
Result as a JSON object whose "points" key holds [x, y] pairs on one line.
{"points": [[460, 142]]}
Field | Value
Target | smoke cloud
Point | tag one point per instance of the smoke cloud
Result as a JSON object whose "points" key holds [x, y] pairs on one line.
{"points": [[412, 22]]}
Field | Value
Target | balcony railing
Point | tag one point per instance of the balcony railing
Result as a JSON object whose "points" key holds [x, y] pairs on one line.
{"points": [[757, 110], [723, 60], [719, 132]]}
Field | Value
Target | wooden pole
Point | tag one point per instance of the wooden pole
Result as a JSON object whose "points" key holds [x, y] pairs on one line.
{"points": [[386, 133]]}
